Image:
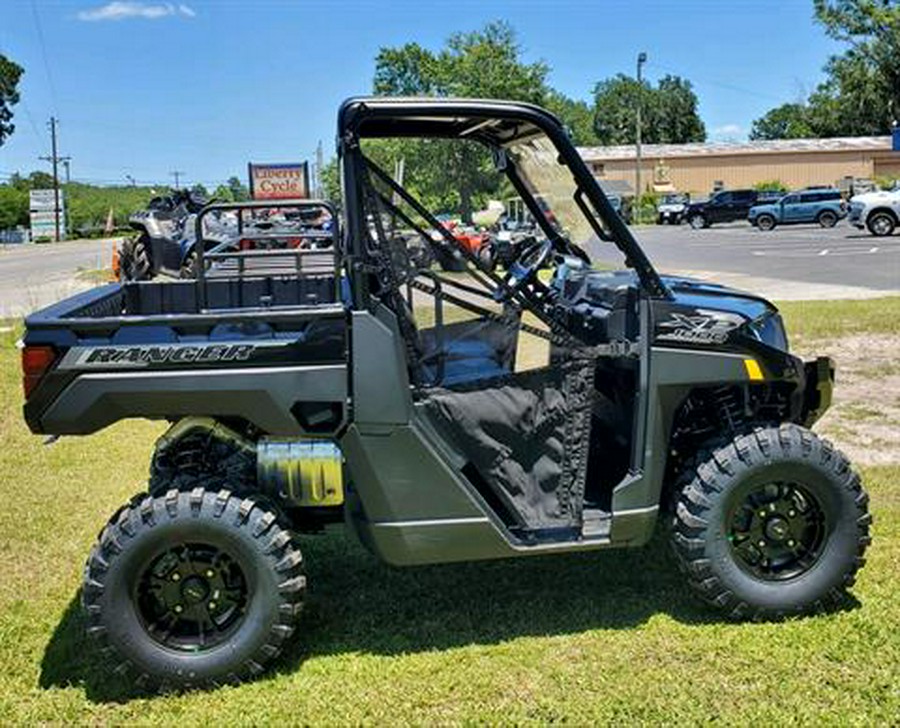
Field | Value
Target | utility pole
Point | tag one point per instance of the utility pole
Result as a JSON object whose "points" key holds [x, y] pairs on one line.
{"points": [[177, 176], [55, 159], [131, 180], [641, 60], [319, 163]]}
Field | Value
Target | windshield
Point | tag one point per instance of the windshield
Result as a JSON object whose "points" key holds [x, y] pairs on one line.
{"points": [[551, 183]]}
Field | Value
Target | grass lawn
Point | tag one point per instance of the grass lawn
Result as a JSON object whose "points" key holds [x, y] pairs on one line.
{"points": [[608, 637]]}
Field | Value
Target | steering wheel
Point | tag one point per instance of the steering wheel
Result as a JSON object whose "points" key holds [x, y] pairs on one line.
{"points": [[526, 265]]}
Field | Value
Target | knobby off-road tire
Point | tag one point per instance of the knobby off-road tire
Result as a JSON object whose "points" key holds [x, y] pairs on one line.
{"points": [[190, 268], [771, 524], [192, 589], [134, 259]]}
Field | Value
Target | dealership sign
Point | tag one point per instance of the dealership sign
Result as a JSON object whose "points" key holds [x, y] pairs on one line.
{"points": [[278, 181]]}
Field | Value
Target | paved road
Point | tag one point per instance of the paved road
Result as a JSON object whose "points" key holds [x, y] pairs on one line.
{"points": [[32, 276], [841, 256], [788, 262]]}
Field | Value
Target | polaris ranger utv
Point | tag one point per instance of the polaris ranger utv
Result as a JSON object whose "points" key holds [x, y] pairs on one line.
{"points": [[545, 408]]}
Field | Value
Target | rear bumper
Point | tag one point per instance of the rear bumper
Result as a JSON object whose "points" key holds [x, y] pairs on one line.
{"points": [[819, 387]]}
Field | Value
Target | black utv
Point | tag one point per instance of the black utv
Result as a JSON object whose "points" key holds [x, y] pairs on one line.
{"points": [[542, 408]]}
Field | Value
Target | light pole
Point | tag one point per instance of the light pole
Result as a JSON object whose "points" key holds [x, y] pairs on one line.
{"points": [[641, 60]]}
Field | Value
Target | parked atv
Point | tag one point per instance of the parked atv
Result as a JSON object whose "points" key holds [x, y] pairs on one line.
{"points": [[546, 409], [165, 239]]}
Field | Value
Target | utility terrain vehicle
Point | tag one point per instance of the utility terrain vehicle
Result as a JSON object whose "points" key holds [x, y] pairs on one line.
{"points": [[542, 408]]}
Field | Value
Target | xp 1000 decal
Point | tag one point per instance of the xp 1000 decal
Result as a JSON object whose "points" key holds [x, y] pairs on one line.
{"points": [[700, 326]]}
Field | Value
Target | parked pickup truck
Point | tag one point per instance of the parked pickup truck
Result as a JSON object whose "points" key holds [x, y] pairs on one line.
{"points": [[547, 408], [877, 212]]}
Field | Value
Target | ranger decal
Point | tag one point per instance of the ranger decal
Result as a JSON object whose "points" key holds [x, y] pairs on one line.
{"points": [[120, 357]]}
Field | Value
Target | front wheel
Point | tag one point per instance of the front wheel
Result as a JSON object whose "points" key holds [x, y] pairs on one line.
{"points": [[698, 222], [773, 523], [192, 588], [881, 224]]}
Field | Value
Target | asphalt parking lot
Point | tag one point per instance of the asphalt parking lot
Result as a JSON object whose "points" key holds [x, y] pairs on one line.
{"points": [[802, 261], [840, 256]]}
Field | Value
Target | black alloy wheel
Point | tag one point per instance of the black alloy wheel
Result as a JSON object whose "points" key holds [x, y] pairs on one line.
{"points": [[192, 597], [777, 530]]}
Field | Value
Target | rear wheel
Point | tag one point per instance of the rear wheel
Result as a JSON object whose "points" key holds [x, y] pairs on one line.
{"points": [[193, 589], [772, 523], [698, 222], [765, 222], [827, 219], [881, 224]]}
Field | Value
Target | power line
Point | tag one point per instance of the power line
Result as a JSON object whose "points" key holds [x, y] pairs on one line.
{"points": [[40, 34]]}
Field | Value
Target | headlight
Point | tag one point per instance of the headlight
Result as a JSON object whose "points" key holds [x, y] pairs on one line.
{"points": [[769, 329]]}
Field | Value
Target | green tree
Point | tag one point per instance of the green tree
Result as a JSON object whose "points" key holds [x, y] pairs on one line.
{"points": [[10, 73], [13, 207], [861, 93], [484, 64], [788, 121], [668, 111]]}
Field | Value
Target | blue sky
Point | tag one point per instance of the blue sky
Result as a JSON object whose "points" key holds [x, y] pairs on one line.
{"points": [[145, 88]]}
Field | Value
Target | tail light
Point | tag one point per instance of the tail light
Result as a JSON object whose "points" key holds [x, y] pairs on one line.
{"points": [[36, 361], [247, 244]]}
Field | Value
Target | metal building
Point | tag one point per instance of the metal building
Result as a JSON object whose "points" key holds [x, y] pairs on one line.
{"points": [[703, 167]]}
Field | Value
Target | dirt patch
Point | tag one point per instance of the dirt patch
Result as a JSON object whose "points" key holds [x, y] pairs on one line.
{"points": [[864, 420]]}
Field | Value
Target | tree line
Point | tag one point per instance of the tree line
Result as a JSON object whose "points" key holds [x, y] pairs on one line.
{"points": [[859, 96]]}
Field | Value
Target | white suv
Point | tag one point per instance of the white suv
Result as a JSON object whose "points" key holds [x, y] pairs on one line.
{"points": [[877, 211]]}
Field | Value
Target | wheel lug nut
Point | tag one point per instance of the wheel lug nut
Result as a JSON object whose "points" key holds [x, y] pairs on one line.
{"points": [[210, 573], [178, 609], [790, 542], [791, 514], [761, 542], [176, 576], [762, 514], [212, 605]]}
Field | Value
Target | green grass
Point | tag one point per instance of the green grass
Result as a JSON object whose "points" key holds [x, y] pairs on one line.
{"points": [[828, 319], [593, 638]]}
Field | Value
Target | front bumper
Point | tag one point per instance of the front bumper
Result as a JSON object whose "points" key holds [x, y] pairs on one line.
{"points": [[819, 387]]}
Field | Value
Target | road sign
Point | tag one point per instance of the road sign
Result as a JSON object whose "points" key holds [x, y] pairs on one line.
{"points": [[45, 200]]}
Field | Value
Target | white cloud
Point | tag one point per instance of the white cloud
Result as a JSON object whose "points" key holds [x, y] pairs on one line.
{"points": [[728, 131], [124, 9]]}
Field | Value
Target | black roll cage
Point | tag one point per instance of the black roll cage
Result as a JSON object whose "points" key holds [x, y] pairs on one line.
{"points": [[494, 123]]}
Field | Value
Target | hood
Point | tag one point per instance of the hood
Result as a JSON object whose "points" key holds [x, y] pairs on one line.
{"points": [[703, 294], [879, 196]]}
